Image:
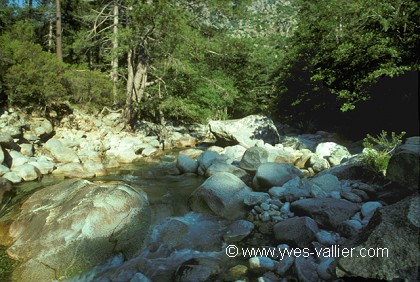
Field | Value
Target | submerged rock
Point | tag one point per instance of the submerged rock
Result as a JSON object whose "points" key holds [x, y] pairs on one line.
{"points": [[75, 225], [186, 164]]}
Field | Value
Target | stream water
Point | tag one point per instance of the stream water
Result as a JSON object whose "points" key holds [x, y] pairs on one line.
{"points": [[168, 195]]}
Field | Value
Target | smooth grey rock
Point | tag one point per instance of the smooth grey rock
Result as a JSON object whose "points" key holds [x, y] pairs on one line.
{"points": [[207, 158], [253, 158], [404, 165], [27, 172], [73, 218], [224, 167], [238, 230], [246, 131], [61, 153], [44, 166], [73, 170], [327, 238], [94, 167], [327, 212], [12, 177], [297, 231], [222, 194], [369, 208], [275, 174], [234, 153], [327, 182], [292, 190], [17, 159], [185, 164], [259, 264], [350, 197]]}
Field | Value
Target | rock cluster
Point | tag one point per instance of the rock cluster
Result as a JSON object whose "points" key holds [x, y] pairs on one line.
{"points": [[80, 145], [312, 193], [263, 189]]}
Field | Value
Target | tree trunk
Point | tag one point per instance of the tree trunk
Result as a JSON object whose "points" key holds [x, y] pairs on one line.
{"points": [[58, 30], [128, 110], [50, 31], [136, 85], [114, 72]]}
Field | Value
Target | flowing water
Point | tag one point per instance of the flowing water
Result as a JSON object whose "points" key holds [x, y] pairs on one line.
{"points": [[168, 195]]}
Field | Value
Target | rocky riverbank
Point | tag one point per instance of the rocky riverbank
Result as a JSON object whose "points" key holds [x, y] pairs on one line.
{"points": [[264, 187], [80, 145]]}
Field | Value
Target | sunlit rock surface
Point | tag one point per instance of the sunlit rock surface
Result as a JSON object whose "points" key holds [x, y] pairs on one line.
{"points": [[72, 226]]}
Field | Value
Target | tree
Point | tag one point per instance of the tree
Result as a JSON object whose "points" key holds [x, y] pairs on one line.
{"points": [[361, 43], [58, 46]]}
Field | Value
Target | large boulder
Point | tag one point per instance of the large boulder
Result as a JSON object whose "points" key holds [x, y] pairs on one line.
{"points": [[125, 150], [222, 194], [61, 153], [332, 152], [185, 164], [274, 174], [246, 131], [72, 226], [389, 244], [404, 165], [328, 212]]}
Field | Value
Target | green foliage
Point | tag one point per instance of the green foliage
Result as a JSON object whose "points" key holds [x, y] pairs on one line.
{"points": [[349, 51], [35, 76], [378, 150], [87, 87]]}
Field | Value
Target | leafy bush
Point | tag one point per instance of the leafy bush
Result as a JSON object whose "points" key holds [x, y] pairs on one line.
{"points": [[378, 150], [87, 87], [34, 77]]}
